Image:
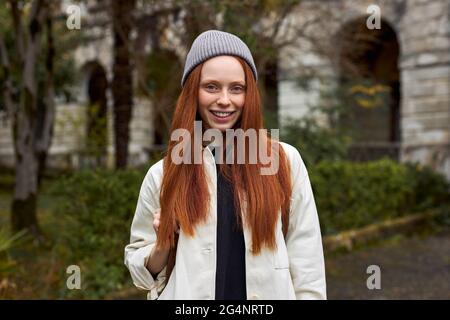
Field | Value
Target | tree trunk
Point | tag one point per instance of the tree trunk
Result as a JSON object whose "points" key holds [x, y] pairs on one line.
{"points": [[97, 145], [122, 86], [25, 117], [46, 110], [23, 209], [271, 93]]}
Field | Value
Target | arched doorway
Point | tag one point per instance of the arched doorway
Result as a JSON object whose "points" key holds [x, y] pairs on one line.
{"points": [[370, 88]]}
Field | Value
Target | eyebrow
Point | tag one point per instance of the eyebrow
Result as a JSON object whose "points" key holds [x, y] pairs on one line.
{"points": [[231, 83]]}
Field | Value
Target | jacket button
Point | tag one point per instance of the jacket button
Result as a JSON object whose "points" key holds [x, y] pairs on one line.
{"points": [[207, 250]]}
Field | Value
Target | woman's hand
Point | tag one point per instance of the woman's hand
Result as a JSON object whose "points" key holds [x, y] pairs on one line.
{"points": [[156, 217], [158, 257], [156, 221]]}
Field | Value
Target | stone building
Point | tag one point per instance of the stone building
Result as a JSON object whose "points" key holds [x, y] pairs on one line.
{"points": [[71, 130], [409, 54]]}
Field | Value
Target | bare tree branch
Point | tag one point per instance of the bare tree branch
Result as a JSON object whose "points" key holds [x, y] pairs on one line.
{"points": [[18, 27], [44, 136], [7, 82], [37, 17], [281, 19]]}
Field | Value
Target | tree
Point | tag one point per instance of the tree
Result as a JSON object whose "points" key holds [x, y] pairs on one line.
{"points": [[122, 85], [25, 112], [27, 77]]}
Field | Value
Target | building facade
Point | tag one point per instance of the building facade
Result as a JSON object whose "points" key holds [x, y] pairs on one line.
{"points": [[409, 54]]}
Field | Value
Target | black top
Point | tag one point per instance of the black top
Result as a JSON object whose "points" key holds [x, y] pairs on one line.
{"points": [[230, 270]]}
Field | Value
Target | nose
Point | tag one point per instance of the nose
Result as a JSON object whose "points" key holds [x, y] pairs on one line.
{"points": [[224, 99]]}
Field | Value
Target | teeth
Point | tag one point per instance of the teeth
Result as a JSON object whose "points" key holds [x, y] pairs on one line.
{"points": [[221, 114]]}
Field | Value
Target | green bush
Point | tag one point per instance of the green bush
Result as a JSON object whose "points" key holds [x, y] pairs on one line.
{"points": [[320, 134], [97, 207], [430, 188], [351, 195], [317, 143]]}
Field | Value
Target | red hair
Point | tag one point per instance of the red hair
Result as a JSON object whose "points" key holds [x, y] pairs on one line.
{"points": [[184, 196]]}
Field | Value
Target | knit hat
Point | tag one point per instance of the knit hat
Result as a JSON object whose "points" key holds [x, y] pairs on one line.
{"points": [[214, 43]]}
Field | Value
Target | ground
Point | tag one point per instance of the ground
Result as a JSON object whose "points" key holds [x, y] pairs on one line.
{"points": [[411, 268]]}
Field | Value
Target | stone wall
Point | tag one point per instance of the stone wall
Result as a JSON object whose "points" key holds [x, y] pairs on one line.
{"points": [[69, 137], [423, 32], [425, 65]]}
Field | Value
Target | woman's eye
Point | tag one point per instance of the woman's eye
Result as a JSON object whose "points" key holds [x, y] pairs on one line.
{"points": [[237, 89], [211, 87]]}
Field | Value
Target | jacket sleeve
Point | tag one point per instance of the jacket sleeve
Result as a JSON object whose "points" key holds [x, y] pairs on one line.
{"points": [[303, 239], [143, 239]]}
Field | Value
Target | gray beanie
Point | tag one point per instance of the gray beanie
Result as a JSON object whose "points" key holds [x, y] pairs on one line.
{"points": [[214, 43]]}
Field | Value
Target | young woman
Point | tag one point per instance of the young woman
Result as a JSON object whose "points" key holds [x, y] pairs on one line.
{"points": [[219, 229]]}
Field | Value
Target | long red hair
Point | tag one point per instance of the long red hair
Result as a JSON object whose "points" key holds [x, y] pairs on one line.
{"points": [[184, 196]]}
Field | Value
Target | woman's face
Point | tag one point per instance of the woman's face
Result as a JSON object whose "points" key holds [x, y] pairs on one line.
{"points": [[221, 93]]}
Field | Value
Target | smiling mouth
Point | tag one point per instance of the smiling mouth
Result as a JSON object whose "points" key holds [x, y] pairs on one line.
{"points": [[221, 114]]}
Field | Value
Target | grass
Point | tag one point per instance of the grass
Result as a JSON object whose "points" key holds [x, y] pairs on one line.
{"points": [[37, 268]]}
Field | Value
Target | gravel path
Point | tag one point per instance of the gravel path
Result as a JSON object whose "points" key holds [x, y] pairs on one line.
{"points": [[413, 268]]}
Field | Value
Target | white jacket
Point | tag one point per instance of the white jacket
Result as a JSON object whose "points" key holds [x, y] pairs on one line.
{"points": [[294, 271]]}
